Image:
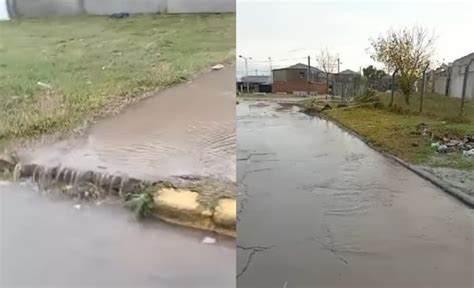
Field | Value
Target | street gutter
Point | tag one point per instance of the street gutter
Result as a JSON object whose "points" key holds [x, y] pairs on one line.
{"points": [[455, 192]]}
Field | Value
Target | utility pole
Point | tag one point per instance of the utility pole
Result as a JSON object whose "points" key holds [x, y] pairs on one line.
{"points": [[271, 69], [338, 64], [423, 89], [309, 73], [256, 72], [246, 71], [309, 68]]}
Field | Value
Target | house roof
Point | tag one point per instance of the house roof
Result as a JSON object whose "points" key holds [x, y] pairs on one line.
{"points": [[262, 79], [300, 66], [348, 71], [468, 56]]}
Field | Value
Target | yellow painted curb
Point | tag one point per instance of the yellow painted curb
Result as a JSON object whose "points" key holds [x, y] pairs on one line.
{"points": [[226, 212], [182, 207]]}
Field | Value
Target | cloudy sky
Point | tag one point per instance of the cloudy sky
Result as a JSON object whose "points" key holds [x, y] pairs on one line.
{"points": [[288, 31]]}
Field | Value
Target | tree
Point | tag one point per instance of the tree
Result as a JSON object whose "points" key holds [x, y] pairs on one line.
{"points": [[327, 62], [373, 75], [408, 51]]}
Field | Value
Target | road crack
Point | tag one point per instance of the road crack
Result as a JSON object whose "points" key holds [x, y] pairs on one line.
{"points": [[253, 154], [329, 245], [255, 250], [246, 195]]}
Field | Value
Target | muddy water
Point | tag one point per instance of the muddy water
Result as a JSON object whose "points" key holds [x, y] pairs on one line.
{"points": [[318, 208], [185, 130], [47, 242]]}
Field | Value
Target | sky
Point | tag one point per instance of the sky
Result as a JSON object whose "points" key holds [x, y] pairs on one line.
{"points": [[290, 31]]}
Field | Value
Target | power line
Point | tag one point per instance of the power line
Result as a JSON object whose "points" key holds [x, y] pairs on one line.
{"points": [[278, 60]]}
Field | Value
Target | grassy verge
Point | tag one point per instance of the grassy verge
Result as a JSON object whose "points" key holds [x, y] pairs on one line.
{"points": [[56, 73], [435, 106], [396, 131]]}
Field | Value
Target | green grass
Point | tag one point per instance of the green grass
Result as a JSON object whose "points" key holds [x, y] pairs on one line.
{"points": [[434, 106], [93, 62], [396, 133]]}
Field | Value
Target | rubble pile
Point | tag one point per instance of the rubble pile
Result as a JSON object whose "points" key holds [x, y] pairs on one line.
{"points": [[449, 144]]}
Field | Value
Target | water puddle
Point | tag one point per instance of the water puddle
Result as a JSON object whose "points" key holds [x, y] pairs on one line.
{"points": [[51, 241]]}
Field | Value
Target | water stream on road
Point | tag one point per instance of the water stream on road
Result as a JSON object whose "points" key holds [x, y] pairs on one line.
{"points": [[48, 241], [185, 130], [318, 208]]}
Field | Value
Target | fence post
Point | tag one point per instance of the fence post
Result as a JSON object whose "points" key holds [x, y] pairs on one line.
{"points": [[423, 89], [464, 84], [82, 6], [448, 81], [393, 85]]}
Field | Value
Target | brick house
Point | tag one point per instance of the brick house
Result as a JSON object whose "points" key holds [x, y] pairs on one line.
{"points": [[298, 79]]}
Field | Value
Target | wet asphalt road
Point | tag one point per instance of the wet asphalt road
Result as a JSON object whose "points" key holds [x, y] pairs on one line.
{"points": [[318, 208], [47, 242]]}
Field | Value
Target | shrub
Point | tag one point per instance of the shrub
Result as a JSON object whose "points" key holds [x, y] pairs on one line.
{"points": [[366, 94]]}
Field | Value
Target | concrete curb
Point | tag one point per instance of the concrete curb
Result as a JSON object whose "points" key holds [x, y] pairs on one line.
{"points": [[179, 200], [182, 207], [456, 193]]}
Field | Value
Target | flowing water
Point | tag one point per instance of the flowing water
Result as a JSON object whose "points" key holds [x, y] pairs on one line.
{"points": [[318, 208], [185, 130], [46, 241]]}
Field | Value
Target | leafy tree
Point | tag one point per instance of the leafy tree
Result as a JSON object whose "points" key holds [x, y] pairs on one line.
{"points": [[373, 75], [407, 51]]}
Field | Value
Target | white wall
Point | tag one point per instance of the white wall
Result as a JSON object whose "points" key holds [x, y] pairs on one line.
{"points": [[38, 8], [35, 8], [3, 10], [440, 84], [201, 6], [107, 7], [457, 82]]}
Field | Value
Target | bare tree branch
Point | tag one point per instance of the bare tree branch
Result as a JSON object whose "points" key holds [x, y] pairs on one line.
{"points": [[326, 61]]}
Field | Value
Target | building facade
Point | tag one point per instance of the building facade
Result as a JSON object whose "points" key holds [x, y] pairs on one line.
{"points": [[256, 84], [457, 77], [299, 79], [346, 83], [449, 79]]}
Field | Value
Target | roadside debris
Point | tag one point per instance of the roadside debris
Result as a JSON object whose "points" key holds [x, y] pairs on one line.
{"points": [[326, 107], [442, 148], [217, 67], [6, 164], [447, 143], [209, 240], [120, 15], [45, 85], [468, 153]]}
